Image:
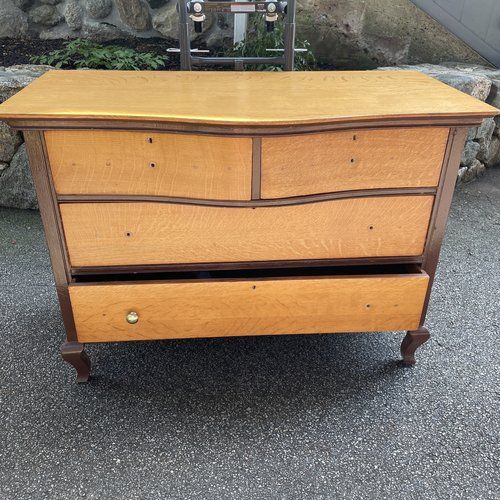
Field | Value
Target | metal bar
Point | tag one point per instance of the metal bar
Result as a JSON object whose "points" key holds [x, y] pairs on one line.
{"points": [[289, 37], [231, 60], [184, 41], [240, 27]]}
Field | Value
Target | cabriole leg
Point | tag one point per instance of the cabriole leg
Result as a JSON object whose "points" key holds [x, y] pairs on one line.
{"points": [[412, 341], [73, 353]]}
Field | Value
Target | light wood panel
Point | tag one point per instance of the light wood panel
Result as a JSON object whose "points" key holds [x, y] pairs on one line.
{"points": [[240, 98], [254, 307], [120, 162], [358, 159], [101, 234]]}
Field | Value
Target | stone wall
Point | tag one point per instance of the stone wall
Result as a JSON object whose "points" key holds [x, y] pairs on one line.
{"points": [[343, 33], [482, 148]]}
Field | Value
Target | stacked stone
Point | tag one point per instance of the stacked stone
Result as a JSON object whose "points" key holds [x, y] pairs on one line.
{"points": [[99, 20], [482, 148], [16, 186]]}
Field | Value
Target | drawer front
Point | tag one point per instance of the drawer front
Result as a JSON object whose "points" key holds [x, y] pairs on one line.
{"points": [[141, 163], [345, 161], [108, 234], [247, 307]]}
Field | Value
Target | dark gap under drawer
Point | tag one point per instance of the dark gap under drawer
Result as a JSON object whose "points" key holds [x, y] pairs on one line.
{"points": [[255, 273]]}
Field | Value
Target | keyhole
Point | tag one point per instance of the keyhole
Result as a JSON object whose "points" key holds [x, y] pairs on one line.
{"points": [[371, 227], [128, 233], [150, 140], [352, 160], [152, 164], [354, 137]]}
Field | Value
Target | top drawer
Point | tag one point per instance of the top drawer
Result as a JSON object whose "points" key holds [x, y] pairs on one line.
{"points": [[157, 164], [351, 160]]}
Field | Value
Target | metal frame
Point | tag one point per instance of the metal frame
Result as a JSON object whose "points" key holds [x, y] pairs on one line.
{"points": [[188, 60]]}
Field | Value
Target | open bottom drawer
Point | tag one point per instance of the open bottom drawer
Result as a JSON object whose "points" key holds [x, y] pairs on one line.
{"points": [[220, 307]]}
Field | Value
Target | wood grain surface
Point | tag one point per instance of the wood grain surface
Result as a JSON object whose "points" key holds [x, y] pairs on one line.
{"points": [[253, 307], [359, 159], [121, 162], [100, 234], [240, 98]]}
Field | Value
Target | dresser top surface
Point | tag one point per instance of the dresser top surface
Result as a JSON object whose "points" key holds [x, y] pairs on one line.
{"points": [[240, 98]]}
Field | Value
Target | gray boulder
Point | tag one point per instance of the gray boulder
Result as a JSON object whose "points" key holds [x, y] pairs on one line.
{"points": [[13, 21], [16, 184], [15, 78], [10, 140], [101, 32], [134, 13], [47, 15], [73, 14], [98, 9], [470, 153]]}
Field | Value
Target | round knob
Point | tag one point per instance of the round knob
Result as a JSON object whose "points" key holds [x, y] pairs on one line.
{"points": [[271, 7], [197, 7], [132, 317]]}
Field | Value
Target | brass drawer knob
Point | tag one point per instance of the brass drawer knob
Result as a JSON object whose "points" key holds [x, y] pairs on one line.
{"points": [[132, 317]]}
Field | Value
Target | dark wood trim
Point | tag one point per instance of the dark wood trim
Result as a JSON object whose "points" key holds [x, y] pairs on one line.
{"points": [[412, 341], [297, 200], [441, 207], [256, 167], [73, 353], [52, 225], [216, 266], [242, 130]]}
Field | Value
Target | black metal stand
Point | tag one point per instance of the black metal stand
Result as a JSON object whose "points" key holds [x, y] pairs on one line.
{"points": [[188, 60]]}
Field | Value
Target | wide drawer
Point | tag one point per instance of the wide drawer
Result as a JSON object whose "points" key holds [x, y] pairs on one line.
{"points": [[117, 234], [353, 160], [324, 304], [142, 163]]}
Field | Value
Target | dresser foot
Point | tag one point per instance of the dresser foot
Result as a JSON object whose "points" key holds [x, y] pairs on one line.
{"points": [[73, 353], [412, 341]]}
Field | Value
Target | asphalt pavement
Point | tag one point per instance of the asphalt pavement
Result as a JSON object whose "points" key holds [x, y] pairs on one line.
{"points": [[291, 417]]}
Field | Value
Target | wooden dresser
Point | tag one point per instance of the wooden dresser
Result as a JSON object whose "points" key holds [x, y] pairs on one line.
{"points": [[212, 204]]}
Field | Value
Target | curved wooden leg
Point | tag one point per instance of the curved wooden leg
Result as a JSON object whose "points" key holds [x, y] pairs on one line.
{"points": [[73, 353], [412, 341]]}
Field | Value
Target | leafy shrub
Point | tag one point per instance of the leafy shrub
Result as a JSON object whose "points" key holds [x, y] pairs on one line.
{"points": [[81, 53], [258, 40]]}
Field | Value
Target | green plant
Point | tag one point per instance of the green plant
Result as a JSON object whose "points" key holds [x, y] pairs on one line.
{"points": [[259, 40], [81, 53]]}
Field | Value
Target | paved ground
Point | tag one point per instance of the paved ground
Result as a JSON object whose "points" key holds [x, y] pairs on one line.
{"points": [[284, 417]]}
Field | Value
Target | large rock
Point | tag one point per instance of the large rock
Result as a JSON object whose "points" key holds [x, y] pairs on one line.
{"points": [[134, 13], [73, 14], [15, 78], [156, 4], [102, 32], [363, 34], [9, 142], [166, 21], [98, 9], [16, 184], [13, 21], [492, 156], [470, 153], [46, 15]]}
